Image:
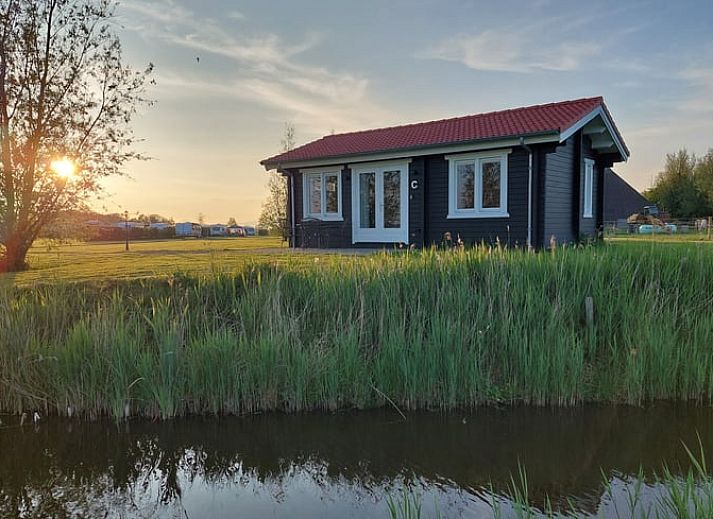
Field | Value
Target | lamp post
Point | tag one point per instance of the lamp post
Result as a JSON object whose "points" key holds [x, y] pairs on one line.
{"points": [[126, 227]]}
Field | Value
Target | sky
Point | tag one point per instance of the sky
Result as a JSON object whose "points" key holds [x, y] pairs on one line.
{"points": [[230, 74]]}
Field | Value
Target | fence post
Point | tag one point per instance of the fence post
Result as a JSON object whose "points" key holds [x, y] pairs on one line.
{"points": [[589, 310], [710, 222]]}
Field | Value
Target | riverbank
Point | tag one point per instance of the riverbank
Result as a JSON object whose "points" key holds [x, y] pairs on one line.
{"points": [[432, 330]]}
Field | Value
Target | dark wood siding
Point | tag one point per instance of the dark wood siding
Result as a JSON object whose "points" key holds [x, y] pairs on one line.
{"points": [[588, 226], [562, 191], [509, 231], [416, 201], [558, 183], [558, 194], [323, 234]]}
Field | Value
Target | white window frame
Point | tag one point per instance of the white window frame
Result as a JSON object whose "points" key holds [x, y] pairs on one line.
{"points": [[588, 191], [380, 234], [307, 174], [478, 211]]}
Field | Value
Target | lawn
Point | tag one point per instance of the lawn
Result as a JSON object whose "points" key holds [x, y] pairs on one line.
{"points": [[51, 262], [77, 261]]}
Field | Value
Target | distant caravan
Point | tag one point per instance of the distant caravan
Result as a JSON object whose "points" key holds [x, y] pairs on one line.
{"points": [[189, 230]]}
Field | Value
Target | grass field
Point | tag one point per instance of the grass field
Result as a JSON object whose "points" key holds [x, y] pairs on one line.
{"points": [[108, 261], [300, 331]]}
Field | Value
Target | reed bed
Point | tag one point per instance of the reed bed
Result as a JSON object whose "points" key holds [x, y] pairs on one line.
{"points": [[432, 329]]}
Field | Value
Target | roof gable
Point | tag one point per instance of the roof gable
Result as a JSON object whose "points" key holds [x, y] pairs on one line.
{"points": [[552, 118]]}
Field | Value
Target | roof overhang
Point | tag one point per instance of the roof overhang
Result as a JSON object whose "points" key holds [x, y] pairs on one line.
{"points": [[597, 124], [482, 144], [601, 130]]}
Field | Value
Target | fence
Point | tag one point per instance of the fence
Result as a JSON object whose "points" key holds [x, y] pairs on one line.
{"points": [[701, 227]]}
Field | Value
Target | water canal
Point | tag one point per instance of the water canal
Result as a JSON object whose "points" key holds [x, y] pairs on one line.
{"points": [[342, 465]]}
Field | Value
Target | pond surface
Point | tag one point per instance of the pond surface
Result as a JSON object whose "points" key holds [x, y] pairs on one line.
{"points": [[341, 465]]}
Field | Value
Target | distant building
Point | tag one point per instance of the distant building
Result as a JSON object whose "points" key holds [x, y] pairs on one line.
{"points": [[236, 230], [130, 225], [218, 229], [95, 223], [187, 229], [159, 225], [620, 199]]}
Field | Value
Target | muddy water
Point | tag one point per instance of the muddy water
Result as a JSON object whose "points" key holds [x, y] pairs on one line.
{"points": [[341, 465]]}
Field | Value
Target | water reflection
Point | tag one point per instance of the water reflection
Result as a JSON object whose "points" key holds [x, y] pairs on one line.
{"points": [[333, 466]]}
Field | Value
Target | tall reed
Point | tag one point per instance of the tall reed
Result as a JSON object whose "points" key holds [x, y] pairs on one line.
{"points": [[428, 329]]}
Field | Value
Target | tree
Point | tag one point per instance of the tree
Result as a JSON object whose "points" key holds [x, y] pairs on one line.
{"points": [[703, 175], [64, 94], [232, 222], [153, 218], [274, 210], [676, 189], [201, 219]]}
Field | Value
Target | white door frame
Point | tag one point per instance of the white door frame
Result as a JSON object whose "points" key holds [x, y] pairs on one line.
{"points": [[379, 234]]}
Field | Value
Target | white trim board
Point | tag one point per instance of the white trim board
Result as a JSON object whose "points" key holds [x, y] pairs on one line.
{"points": [[598, 111]]}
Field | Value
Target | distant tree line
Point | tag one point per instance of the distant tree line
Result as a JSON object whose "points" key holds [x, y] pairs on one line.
{"points": [[684, 189]]}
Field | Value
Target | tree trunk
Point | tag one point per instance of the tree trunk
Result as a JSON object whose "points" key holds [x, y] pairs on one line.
{"points": [[14, 257]]}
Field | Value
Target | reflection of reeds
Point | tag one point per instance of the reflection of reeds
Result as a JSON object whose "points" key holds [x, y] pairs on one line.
{"points": [[683, 497], [426, 330]]}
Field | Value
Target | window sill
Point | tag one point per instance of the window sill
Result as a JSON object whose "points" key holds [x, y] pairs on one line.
{"points": [[324, 218], [587, 216], [467, 216]]}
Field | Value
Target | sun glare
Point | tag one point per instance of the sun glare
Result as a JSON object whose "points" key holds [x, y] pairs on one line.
{"points": [[63, 167]]}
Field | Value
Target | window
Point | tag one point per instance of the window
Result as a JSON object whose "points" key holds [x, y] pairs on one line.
{"points": [[477, 185], [322, 194], [588, 192]]}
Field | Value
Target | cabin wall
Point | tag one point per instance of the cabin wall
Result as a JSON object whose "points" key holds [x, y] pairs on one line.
{"points": [[318, 233], [508, 231], [588, 226], [558, 186], [417, 227], [562, 191], [558, 194]]}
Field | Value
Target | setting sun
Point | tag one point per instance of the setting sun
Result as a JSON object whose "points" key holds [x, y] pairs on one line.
{"points": [[63, 167]]}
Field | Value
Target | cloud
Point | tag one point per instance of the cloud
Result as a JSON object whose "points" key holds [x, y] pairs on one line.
{"points": [[507, 50], [236, 15], [700, 80], [269, 70], [552, 43]]}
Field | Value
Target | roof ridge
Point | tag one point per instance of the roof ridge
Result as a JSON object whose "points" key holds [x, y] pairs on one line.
{"points": [[445, 119]]}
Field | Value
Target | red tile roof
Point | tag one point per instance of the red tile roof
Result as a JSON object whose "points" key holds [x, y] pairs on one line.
{"points": [[547, 118]]}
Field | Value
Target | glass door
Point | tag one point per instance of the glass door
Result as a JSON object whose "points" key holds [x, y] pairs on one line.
{"points": [[380, 203]]}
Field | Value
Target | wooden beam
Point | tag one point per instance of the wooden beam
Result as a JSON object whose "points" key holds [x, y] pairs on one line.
{"points": [[594, 129], [602, 141]]}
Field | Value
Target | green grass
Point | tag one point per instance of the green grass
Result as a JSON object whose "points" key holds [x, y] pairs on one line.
{"points": [[431, 330], [80, 261]]}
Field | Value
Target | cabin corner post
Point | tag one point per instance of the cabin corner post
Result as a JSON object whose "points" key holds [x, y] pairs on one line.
{"points": [[577, 186]]}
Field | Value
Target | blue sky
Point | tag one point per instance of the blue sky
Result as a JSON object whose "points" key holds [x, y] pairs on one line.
{"points": [[343, 65]]}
